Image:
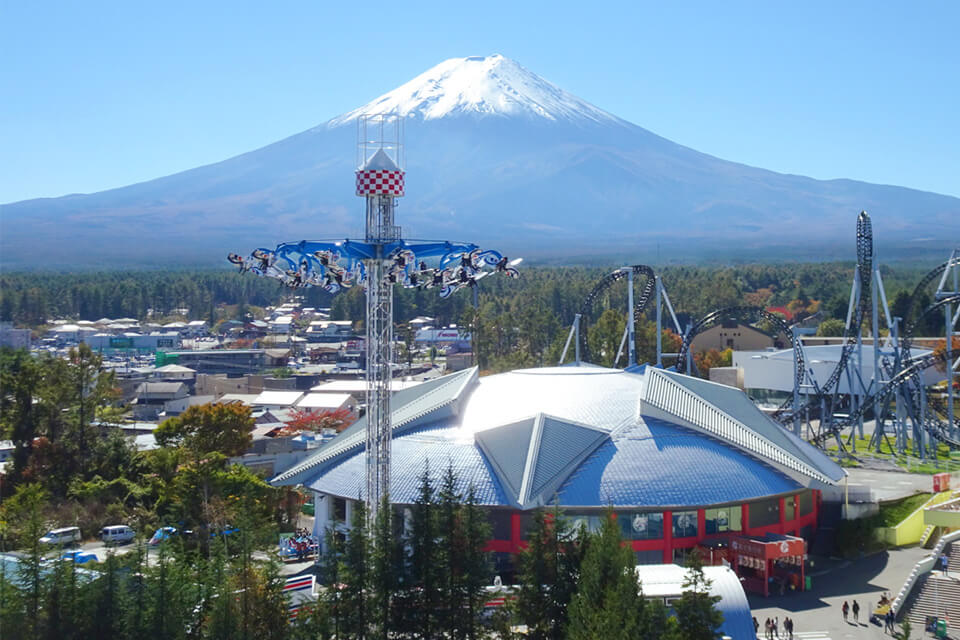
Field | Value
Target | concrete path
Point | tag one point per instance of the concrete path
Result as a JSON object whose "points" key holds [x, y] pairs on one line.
{"points": [[816, 613]]}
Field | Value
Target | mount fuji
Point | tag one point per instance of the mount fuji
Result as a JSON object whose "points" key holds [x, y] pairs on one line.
{"points": [[495, 155]]}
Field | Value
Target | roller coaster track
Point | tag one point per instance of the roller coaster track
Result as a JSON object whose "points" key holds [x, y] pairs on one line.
{"points": [[906, 374], [602, 285], [742, 313]]}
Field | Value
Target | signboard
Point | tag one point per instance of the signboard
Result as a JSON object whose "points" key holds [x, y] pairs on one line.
{"points": [[121, 343], [941, 482], [769, 550]]}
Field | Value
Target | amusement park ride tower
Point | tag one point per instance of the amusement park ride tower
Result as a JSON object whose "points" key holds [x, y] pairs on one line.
{"points": [[379, 180], [382, 260]]}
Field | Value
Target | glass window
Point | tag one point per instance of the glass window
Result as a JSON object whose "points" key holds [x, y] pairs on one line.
{"points": [[649, 557], [338, 510], [684, 524], [723, 519], [641, 526], [764, 513], [806, 503], [499, 524], [789, 512]]}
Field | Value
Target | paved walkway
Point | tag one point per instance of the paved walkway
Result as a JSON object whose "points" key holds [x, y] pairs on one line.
{"points": [[816, 613], [887, 485]]}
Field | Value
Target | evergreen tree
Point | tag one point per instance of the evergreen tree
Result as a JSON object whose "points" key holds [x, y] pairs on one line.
{"points": [[450, 557], [356, 574], [697, 615], [547, 576], [424, 566], [608, 603], [332, 593], [475, 563], [385, 582]]}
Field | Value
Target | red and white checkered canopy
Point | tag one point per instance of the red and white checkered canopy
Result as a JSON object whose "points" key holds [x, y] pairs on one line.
{"points": [[379, 182]]}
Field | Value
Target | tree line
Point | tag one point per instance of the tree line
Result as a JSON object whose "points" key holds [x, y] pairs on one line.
{"points": [[421, 575]]}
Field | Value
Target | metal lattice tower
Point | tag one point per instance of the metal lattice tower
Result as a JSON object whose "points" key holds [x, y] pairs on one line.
{"points": [[379, 262], [380, 180]]}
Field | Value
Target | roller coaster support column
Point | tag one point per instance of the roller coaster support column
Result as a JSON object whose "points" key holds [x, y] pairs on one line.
{"points": [[631, 329], [659, 324], [947, 289], [796, 388]]}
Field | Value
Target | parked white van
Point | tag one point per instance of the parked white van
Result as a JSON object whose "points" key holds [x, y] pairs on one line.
{"points": [[117, 534], [64, 536]]}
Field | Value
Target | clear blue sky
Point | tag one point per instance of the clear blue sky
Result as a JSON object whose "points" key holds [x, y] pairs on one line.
{"points": [[96, 95]]}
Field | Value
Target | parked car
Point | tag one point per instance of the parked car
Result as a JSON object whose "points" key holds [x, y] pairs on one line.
{"points": [[117, 534], [79, 557], [164, 533], [63, 536]]}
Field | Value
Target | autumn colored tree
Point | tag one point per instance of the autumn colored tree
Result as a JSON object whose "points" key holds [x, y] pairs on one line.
{"points": [[209, 428], [706, 360], [308, 420]]}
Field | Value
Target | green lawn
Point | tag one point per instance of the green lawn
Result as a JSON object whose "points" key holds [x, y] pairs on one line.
{"points": [[891, 514]]}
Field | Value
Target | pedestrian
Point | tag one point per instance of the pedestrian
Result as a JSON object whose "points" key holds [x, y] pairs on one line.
{"points": [[756, 626], [845, 609], [889, 619], [776, 627], [944, 563], [768, 629], [856, 612], [788, 627]]}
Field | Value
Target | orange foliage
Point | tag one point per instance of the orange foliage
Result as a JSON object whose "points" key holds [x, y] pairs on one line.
{"points": [[307, 420]]}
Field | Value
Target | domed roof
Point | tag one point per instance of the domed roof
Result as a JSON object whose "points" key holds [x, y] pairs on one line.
{"points": [[587, 436]]}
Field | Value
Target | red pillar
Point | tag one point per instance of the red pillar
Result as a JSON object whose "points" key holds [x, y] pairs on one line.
{"points": [[816, 508], [796, 514], [745, 517], [701, 524], [803, 580], [783, 516], [516, 530], [766, 578], [667, 537]]}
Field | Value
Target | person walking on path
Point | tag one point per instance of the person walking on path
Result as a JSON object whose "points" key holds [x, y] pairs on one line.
{"points": [[856, 612], [776, 627], [788, 628], [845, 609], [944, 563], [756, 626], [889, 619], [768, 629]]}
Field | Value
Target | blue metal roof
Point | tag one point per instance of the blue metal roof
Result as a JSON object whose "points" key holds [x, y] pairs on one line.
{"points": [[659, 464], [654, 464], [590, 436], [412, 454]]}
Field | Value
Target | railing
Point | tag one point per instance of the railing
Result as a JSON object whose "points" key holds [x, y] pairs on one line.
{"points": [[923, 566]]}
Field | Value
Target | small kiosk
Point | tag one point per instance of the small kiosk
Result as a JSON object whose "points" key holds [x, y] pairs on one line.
{"points": [[769, 562]]}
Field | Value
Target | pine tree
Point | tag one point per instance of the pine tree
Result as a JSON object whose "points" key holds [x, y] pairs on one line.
{"points": [[548, 574], [386, 580], [608, 603], [451, 548], [331, 598], [697, 615], [424, 566], [476, 562], [356, 575]]}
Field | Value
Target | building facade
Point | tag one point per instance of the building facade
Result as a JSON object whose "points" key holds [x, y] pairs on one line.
{"points": [[679, 460]]}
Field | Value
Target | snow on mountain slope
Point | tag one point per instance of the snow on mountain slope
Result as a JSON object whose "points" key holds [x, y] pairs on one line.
{"points": [[491, 85]]}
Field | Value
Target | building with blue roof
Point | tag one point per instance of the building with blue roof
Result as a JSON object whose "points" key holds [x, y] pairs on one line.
{"points": [[679, 460]]}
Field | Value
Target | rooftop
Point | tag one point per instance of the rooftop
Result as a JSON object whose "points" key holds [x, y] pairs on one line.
{"points": [[590, 436]]}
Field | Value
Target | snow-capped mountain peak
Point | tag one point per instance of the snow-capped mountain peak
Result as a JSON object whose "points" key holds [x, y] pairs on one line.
{"points": [[479, 85]]}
